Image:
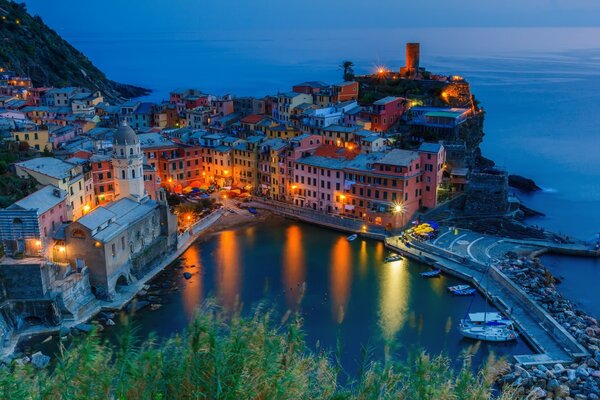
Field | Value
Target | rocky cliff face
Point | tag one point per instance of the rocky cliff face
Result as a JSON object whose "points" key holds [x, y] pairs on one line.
{"points": [[29, 47]]}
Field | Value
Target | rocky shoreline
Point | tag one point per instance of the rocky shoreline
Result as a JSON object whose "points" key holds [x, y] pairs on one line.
{"points": [[578, 381]]}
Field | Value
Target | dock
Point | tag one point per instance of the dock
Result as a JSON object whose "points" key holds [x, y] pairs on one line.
{"points": [[550, 340]]}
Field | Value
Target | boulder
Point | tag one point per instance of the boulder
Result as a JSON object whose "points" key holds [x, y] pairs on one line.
{"points": [[553, 384], [563, 391], [582, 372], [537, 393], [40, 360]]}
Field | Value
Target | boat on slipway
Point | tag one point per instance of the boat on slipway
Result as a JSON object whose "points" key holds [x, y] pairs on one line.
{"points": [[488, 326]]}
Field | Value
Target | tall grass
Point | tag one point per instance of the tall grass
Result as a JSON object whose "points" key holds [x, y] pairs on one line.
{"points": [[231, 357]]}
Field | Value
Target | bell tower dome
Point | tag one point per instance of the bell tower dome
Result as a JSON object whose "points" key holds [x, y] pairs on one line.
{"points": [[127, 161]]}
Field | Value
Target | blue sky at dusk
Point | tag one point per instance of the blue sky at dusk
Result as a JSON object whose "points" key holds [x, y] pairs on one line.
{"points": [[117, 16]]}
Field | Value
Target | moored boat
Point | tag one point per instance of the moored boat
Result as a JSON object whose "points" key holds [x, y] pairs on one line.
{"points": [[431, 274], [393, 257], [458, 287], [352, 237], [464, 292]]}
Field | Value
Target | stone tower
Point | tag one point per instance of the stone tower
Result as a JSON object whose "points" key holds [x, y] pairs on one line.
{"points": [[127, 161], [413, 52]]}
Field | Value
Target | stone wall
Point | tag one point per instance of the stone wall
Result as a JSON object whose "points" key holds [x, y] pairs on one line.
{"points": [[145, 260], [73, 293], [487, 193], [24, 281]]}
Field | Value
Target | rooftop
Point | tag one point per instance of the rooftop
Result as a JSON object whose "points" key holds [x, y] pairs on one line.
{"points": [[118, 215], [402, 158], [42, 200], [49, 166], [386, 100], [430, 147]]}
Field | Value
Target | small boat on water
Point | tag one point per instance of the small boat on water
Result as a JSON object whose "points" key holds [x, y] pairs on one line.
{"points": [[488, 326], [352, 237], [393, 257], [252, 210], [462, 290], [431, 274], [458, 287]]}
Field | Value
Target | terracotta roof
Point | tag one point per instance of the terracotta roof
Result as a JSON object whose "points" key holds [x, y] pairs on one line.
{"points": [[336, 152], [253, 119]]}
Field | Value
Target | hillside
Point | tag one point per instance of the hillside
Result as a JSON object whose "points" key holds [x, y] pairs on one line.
{"points": [[29, 47]]}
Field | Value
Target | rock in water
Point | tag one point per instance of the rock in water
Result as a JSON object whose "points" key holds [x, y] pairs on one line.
{"points": [[40, 360], [522, 183]]}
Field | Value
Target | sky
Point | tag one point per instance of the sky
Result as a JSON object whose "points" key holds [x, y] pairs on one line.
{"points": [[214, 17]]}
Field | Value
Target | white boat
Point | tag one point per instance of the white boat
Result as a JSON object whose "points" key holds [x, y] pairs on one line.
{"points": [[458, 287], [352, 237], [488, 326]]}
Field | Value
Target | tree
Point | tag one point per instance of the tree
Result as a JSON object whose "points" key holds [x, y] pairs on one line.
{"points": [[348, 68]]}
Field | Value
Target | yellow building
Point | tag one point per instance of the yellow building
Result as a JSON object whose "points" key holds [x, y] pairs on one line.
{"points": [[245, 163], [38, 139], [64, 175], [282, 132]]}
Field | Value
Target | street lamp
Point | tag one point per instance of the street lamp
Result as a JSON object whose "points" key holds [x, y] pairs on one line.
{"points": [[399, 208]]}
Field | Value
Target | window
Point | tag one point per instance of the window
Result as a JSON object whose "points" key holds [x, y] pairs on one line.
{"points": [[123, 174], [113, 249]]}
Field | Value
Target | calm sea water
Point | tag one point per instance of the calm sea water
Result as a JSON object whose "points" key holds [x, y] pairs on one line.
{"points": [[350, 293]]}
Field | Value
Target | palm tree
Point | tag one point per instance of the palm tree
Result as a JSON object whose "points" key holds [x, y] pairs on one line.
{"points": [[348, 67]]}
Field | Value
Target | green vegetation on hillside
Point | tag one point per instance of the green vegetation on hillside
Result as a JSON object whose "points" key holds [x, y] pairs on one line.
{"points": [[13, 188], [29, 47], [238, 358]]}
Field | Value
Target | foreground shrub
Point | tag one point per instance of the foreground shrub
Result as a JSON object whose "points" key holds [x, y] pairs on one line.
{"points": [[230, 357]]}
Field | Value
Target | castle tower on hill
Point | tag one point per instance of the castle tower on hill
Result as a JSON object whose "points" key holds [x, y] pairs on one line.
{"points": [[413, 53]]}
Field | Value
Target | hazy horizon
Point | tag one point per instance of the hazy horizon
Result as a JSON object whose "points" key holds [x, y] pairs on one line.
{"points": [[168, 16]]}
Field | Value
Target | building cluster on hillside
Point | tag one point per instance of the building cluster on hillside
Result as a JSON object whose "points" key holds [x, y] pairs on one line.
{"points": [[106, 167]]}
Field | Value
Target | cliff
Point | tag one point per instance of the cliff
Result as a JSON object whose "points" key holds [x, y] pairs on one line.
{"points": [[30, 48]]}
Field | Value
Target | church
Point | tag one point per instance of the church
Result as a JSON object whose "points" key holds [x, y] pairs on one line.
{"points": [[119, 241]]}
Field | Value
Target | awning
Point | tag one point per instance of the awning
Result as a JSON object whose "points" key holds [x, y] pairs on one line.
{"points": [[349, 207]]}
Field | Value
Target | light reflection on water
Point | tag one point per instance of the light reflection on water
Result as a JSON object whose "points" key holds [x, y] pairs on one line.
{"points": [[340, 277], [228, 269], [393, 298], [193, 290], [293, 266]]}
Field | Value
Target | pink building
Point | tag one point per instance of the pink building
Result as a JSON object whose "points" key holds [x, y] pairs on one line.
{"points": [[386, 112], [27, 225], [319, 179], [433, 158]]}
